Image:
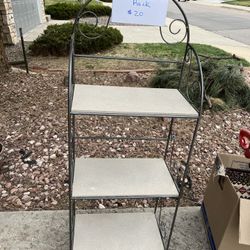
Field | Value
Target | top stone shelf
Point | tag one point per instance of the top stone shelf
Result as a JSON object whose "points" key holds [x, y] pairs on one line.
{"points": [[130, 101]]}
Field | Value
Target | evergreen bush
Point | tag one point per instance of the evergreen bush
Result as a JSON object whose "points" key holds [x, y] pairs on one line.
{"points": [[66, 11], [224, 84], [56, 40]]}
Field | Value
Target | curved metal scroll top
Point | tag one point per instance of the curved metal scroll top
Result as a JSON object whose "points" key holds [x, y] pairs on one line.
{"points": [[95, 21], [177, 31]]}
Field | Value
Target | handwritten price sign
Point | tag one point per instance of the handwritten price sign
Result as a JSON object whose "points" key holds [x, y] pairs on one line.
{"points": [[147, 12]]}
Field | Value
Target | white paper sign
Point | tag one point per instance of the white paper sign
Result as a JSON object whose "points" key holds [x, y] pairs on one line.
{"points": [[147, 12]]}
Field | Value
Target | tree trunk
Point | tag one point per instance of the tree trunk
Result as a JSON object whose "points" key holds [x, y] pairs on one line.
{"points": [[4, 65]]}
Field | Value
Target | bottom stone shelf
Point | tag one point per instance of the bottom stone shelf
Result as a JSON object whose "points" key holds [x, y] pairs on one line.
{"points": [[117, 231]]}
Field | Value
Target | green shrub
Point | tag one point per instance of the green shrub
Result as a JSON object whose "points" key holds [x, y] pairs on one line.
{"points": [[228, 84], [166, 79], [225, 86], [56, 39], [65, 11]]}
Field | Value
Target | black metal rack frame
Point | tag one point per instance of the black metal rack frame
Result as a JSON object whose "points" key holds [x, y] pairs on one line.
{"points": [[189, 59]]}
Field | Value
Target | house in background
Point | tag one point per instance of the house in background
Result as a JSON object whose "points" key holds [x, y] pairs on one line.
{"points": [[15, 14]]}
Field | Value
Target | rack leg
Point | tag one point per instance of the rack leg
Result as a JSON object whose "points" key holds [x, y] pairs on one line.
{"points": [[161, 205], [183, 183], [156, 205], [70, 167], [169, 137], [70, 225], [73, 138]]}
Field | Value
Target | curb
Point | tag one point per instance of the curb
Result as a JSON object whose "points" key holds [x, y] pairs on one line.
{"points": [[222, 5], [235, 7]]}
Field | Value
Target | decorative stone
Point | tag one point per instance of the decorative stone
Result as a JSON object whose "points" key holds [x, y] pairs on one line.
{"points": [[132, 76], [42, 128], [100, 206], [26, 198], [53, 156]]}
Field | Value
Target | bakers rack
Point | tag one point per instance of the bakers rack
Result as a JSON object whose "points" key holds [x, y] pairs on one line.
{"points": [[135, 178]]}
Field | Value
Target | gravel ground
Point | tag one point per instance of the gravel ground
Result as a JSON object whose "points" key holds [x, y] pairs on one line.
{"points": [[15, 53], [34, 118]]}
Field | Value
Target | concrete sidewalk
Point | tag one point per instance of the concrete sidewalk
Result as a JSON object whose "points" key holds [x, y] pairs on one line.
{"points": [[33, 34], [47, 230], [150, 34]]}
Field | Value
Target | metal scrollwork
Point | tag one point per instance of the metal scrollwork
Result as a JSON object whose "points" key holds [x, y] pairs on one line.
{"points": [[83, 17], [87, 13], [176, 32], [193, 89], [174, 29], [188, 55], [178, 28]]}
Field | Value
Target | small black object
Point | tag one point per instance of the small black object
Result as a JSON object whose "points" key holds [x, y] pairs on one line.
{"points": [[22, 151], [25, 155], [32, 162], [187, 184]]}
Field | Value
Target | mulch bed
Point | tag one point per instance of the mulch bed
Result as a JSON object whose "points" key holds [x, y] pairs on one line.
{"points": [[34, 118]]}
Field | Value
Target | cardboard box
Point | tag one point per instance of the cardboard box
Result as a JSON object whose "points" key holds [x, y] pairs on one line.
{"points": [[227, 216]]}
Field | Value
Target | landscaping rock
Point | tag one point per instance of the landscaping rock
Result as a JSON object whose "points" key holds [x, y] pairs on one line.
{"points": [[132, 76], [42, 129]]}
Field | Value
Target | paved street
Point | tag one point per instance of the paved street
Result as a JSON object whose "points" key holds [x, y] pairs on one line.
{"points": [[230, 23]]}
